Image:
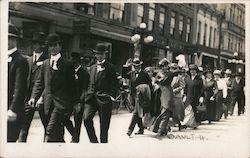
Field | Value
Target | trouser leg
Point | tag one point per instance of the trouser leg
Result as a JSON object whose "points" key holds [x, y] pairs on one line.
{"points": [[44, 120], [28, 117], [105, 116], [13, 130], [78, 123], [89, 113], [164, 119], [232, 104]]}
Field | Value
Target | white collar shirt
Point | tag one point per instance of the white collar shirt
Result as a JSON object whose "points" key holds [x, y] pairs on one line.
{"points": [[36, 56], [54, 58], [99, 65], [10, 52]]}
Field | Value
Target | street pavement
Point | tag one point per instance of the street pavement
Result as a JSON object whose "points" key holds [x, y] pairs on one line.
{"points": [[226, 138]]}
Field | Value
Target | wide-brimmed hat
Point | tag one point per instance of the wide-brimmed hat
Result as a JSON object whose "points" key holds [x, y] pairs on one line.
{"points": [[217, 72], [163, 62], [136, 62], [53, 38], [238, 74], [228, 71], [38, 37], [193, 67], [100, 48], [13, 31]]}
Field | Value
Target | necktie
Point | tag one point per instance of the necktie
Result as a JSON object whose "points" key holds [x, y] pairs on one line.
{"points": [[35, 58], [53, 63]]}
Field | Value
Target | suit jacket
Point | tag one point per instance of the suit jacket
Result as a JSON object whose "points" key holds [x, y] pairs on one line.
{"points": [[34, 69], [58, 86], [178, 84], [237, 88], [102, 85], [17, 82], [82, 82], [193, 90]]}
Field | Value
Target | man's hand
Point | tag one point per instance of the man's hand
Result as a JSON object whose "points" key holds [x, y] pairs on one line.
{"points": [[78, 107], [212, 98], [11, 116], [39, 102], [31, 102]]}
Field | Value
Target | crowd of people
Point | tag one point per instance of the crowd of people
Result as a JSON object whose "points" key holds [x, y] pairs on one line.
{"points": [[58, 88]]}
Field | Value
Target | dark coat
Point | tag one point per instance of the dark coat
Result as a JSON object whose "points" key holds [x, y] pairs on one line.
{"points": [[237, 89], [17, 82], [58, 86], [82, 82], [193, 90], [34, 70], [102, 85]]}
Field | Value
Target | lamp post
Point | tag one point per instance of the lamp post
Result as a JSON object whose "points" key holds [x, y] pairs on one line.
{"points": [[235, 60], [139, 39]]}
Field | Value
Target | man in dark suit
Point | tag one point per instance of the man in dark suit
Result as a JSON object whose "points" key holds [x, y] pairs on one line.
{"points": [[17, 85], [57, 83], [102, 86], [82, 82], [137, 77], [237, 94], [35, 62], [194, 90]]}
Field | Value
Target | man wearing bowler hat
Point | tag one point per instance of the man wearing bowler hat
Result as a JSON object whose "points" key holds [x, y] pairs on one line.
{"points": [[102, 86], [17, 85], [35, 62], [56, 84]]}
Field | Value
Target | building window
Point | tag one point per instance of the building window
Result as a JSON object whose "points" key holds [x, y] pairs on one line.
{"points": [[140, 11], [117, 11], [188, 32], [210, 35], [87, 8], [205, 35], [172, 23], [151, 16], [162, 20], [181, 26], [229, 42], [199, 33], [215, 37]]}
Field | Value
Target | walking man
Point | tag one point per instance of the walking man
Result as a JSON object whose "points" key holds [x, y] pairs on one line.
{"points": [[17, 85], [35, 62], [102, 86], [57, 83]]}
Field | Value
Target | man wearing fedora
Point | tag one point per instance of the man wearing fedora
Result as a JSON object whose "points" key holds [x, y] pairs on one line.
{"points": [[237, 94], [35, 62], [137, 77], [56, 84], [17, 85], [102, 86]]}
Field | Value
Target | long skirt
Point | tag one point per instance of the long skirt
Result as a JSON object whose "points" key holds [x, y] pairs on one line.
{"points": [[178, 110], [219, 110], [189, 119]]}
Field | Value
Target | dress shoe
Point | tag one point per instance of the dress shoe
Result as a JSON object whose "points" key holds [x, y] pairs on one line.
{"points": [[129, 133], [140, 132]]}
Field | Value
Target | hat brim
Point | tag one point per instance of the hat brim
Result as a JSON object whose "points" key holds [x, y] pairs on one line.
{"points": [[100, 52], [49, 43], [137, 64]]}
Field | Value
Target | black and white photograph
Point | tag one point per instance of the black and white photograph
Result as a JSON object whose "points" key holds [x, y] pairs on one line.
{"points": [[124, 79]]}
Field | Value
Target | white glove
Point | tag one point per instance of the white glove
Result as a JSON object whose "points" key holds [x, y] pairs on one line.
{"points": [[212, 98], [11, 116], [184, 98], [201, 99], [31, 102]]}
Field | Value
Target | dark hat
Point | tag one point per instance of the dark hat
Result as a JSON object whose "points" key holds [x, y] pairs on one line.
{"points": [[208, 71], [163, 62], [193, 67], [38, 37], [100, 48], [136, 62], [238, 74], [75, 55], [13, 31], [53, 38]]}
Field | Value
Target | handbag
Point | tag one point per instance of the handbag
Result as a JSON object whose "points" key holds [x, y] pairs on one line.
{"points": [[201, 108]]}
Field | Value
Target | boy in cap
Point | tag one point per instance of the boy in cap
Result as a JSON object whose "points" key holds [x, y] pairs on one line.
{"points": [[102, 86], [56, 84], [35, 62], [17, 85]]}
